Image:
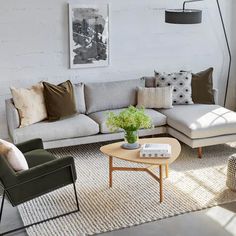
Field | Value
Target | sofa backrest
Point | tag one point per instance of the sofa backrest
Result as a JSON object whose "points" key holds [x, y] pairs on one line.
{"points": [[150, 81], [111, 95], [79, 97], [12, 115]]}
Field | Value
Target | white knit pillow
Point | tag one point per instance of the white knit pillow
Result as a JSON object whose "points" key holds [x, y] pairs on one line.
{"points": [[13, 155], [155, 97]]}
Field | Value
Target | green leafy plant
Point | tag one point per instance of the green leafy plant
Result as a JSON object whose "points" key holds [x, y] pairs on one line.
{"points": [[130, 120]]}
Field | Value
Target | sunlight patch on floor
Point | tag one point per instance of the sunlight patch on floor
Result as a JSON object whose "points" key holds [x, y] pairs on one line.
{"points": [[232, 144], [223, 217], [201, 184]]}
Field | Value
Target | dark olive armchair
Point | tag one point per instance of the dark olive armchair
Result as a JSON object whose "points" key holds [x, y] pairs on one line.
{"points": [[45, 174]]}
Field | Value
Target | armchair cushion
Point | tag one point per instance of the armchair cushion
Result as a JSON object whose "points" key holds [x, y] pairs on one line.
{"points": [[30, 145], [38, 157], [45, 169]]}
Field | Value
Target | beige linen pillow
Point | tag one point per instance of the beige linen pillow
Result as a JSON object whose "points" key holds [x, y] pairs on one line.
{"points": [[155, 97], [14, 156], [30, 104]]}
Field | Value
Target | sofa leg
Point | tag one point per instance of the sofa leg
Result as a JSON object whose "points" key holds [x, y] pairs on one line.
{"points": [[200, 152]]}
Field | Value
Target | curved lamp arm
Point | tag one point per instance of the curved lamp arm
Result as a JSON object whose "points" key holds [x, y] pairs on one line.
{"points": [[189, 2]]}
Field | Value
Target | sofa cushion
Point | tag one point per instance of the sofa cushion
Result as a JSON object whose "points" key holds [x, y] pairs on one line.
{"points": [[201, 120], [111, 95], [100, 117], [38, 157], [72, 127]]}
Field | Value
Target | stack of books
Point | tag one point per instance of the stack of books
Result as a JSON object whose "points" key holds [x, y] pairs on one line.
{"points": [[155, 150]]}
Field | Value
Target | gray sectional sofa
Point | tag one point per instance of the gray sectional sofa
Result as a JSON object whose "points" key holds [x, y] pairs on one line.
{"points": [[196, 125]]}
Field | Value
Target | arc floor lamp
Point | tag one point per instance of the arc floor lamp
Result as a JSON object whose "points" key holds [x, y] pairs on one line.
{"points": [[194, 16]]}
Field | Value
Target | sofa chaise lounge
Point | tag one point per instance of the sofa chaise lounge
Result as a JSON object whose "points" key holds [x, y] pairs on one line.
{"points": [[196, 125]]}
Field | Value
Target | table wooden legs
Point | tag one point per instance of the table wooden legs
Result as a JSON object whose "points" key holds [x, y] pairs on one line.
{"points": [[148, 170], [167, 170], [110, 170]]}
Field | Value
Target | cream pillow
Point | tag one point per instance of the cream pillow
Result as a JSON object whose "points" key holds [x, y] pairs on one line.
{"points": [[30, 104], [155, 97], [14, 156]]}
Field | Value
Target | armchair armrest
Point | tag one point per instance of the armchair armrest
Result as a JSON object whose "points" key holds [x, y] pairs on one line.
{"points": [[41, 179], [30, 145], [47, 169]]}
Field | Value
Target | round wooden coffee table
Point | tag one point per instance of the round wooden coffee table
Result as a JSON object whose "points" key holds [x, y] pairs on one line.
{"points": [[115, 150]]}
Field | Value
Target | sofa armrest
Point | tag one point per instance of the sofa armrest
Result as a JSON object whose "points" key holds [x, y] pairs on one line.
{"points": [[48, 168], [215, 94], [13, 120], [30, 145]]}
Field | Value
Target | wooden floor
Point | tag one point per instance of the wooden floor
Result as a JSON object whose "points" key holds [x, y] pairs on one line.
{"points": [[217, 221]]}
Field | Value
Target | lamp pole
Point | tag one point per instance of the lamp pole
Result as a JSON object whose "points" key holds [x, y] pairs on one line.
{"points": [[189, 2], [193, 16], [228, 48], [227, 43]]}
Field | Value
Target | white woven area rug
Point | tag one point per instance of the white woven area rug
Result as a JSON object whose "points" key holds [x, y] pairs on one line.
{"points": [[193, 184]]}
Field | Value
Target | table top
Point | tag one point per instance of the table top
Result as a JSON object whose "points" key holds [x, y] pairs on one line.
{"points": [[115, 150]]}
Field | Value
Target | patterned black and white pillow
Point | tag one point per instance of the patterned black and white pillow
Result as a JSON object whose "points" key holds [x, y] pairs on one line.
{"points": [[181, 82]]}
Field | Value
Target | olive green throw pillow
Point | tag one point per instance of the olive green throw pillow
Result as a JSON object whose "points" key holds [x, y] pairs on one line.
{"points": [[59, 99], [202, 87]]}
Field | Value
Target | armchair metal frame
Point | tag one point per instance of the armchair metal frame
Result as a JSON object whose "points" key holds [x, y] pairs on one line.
{"points": [[5, 193]]}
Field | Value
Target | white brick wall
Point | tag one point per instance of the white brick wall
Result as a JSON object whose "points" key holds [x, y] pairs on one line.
{"points": [[34, 43]]}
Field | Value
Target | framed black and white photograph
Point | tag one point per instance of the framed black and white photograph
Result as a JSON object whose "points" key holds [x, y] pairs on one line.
{"points": [[89, 35]]}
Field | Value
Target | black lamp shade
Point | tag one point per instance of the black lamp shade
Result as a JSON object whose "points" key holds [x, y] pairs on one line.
{"points": [[180, 16]]}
